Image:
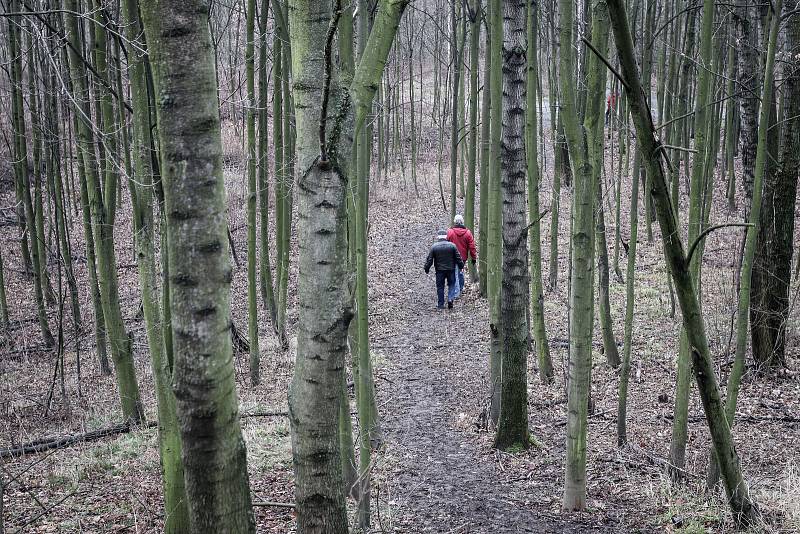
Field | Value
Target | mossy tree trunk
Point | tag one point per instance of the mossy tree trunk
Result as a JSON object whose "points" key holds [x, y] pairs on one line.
{"points": [[23, 177], [696, 185], [749, 276], [485, 170], [102, 203], [473, 10], [214, 457], [265, 267], [585, 154], [539, 332], [176, 510], [252, 194], [323, 158], [494, 227], [595, 144], [769, 309], [744, 509]]}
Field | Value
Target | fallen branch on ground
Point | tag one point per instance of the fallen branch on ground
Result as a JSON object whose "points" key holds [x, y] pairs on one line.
{"points": [[50, 443], [46, 444]]}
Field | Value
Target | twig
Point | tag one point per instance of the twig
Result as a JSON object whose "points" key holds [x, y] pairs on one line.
{"points": [[604, 60], [263, 414], [275, 504], [44, 512], [680, 148], [326, 86], [708, 231]]}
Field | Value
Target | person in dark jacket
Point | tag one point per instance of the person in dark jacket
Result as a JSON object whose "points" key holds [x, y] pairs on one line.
{"points": [[445, 258], [462, 238]]}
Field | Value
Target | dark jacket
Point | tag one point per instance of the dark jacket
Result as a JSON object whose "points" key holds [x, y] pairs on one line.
{"points": [[444, 256], [463, 240]]}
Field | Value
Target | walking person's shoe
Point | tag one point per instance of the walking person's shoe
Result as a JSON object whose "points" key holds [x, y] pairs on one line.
{"points": [[450, 304]]}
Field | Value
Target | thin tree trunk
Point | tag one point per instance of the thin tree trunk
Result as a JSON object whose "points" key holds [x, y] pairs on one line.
{"points": [[472, 148], [771, 270], [747, 279], [252, 196], [582, 245], [483, 214], [534, 178], [494, 237], [265, 267], [102, 200], [176, 516], [630, 294], [23, 176], [680, 420]]}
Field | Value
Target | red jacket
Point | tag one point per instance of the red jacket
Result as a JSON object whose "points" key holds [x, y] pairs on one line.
{"points": [[464, 242]]}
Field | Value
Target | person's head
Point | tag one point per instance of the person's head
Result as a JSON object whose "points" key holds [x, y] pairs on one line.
{"points": [[458, 220], [441, 235]]}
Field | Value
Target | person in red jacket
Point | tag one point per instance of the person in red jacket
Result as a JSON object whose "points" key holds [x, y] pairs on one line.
{"points": [[462, 238]]}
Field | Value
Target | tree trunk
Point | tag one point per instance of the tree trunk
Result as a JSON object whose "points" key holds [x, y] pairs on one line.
{"points": [[252, 195], [486, 169], [102, 201], [176, 516], [265, 267], [538, 329], [749, 85], [23, 177], [581, 319], [744, 510], [512, 426], [696, 186], [472, 150], [769, 308], [323, 158], [494, 237], [214, 457], [594, 126], [630, 273]]}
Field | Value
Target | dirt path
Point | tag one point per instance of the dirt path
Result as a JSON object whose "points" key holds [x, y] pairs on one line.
{"points": [[439, 471]]}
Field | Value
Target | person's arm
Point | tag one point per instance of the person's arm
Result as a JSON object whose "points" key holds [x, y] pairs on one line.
{"points": [[428, 262], [458, 259], [471, 247]]}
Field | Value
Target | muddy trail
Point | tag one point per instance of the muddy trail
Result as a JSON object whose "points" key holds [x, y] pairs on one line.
{"points": [[439, 468]]}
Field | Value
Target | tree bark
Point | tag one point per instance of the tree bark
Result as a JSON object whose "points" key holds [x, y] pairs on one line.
{"points": [[494, 228], [323, 157], [176, 516], [769, 308], [214, 457], [512, 426], [579, 140], [539, 332]]}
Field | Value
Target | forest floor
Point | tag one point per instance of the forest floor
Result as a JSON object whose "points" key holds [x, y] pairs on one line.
{"points": [[437, 471]]}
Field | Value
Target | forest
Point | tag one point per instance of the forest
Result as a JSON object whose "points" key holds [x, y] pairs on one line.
{"points": [[216, 313]]}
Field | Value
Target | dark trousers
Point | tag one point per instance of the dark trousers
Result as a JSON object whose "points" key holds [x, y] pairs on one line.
{"points": [[441, 276]]}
